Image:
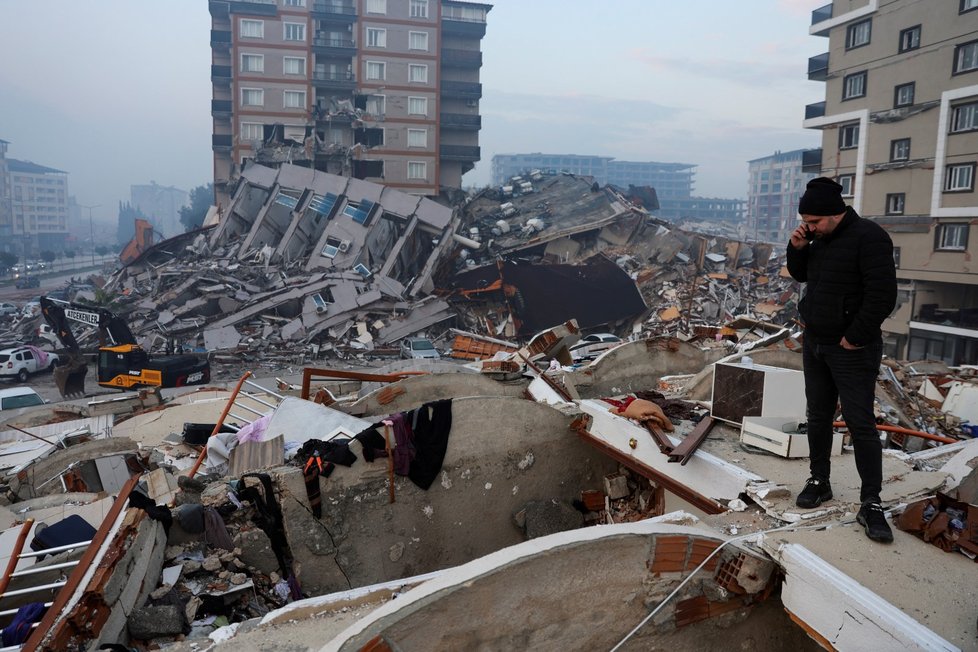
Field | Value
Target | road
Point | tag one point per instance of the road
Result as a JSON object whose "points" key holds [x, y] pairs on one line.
{"points": [[52, 279]]}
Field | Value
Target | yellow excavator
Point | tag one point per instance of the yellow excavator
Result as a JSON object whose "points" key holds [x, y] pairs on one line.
{"points": [[122, 363]]}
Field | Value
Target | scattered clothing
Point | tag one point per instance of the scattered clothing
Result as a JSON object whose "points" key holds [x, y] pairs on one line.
{"points": [[19, 629], [215, 532]]}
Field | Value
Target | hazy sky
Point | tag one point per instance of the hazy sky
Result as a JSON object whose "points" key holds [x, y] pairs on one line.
{"points": [[117, 92]]}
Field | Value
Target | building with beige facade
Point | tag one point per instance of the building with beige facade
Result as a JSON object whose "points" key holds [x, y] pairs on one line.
{"points": [[900, 133], [33, 207], [382, 90]]}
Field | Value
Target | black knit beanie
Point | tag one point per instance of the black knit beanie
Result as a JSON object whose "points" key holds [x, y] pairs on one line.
{"points": [[822, 197]]}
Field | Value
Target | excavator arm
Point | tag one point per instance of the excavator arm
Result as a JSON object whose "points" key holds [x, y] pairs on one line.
{"points": [[113, 331]]}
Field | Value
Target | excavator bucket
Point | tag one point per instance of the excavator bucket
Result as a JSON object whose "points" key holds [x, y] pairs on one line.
{"points": [[70, 377]]}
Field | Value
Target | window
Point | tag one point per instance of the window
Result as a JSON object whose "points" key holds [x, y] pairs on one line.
{"points": [[376, 38], [294, 65], [960, 178], [252, 97], [895, 202], [849, 136], [910, 38], [419, 8], [252, 28], [294, 100], [847, 181], [964, 117], [417, 137], [376, 70], [376, 6], [324, 297], [359, 213], [417, 170], [418, 72], [418, 106], [857, 35], [418, 41], [251, 131], [968, 5], [376, 105], [966, 57], [294, 31], [332, 247], [900, 149], [252, 63], [952, 237], [854, 85], [903, 94], [295, 3]]}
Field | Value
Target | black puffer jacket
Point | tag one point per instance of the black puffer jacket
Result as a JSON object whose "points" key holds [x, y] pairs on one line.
{"points": [[851, 282]]}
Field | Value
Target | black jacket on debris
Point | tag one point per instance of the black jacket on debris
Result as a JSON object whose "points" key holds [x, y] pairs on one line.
{"points": [[851, 282]]}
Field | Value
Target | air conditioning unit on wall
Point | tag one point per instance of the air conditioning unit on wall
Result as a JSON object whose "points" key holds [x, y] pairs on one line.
{"points": [[344, 246]]}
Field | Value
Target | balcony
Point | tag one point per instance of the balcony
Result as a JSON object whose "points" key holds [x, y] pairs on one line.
{"points": [[818, 67], [455, 26], [464, 90], [221, 107], [459, 152], [253, 7], [816, 110], [451, 58], [221, 142], [811, 160], [334, 80], [220, 38], [342, 47], [334, 11], [932, 313], [461, 121], [221, 74], [218, 9], [821, 15]]}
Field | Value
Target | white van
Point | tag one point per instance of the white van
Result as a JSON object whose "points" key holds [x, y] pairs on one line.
{"points": [[19, 397]]}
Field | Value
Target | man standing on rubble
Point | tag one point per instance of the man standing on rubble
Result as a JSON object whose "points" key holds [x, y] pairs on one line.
{"points": [[847, 265]]}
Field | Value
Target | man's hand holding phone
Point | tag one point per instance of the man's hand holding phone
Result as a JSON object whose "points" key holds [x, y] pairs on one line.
{"points": [[801, 236]]}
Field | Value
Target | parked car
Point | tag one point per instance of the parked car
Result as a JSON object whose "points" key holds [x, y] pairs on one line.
{"points": [[8, 309], [418, 348], [19, 397], [591, 346], [22, 361], [28, 282]]}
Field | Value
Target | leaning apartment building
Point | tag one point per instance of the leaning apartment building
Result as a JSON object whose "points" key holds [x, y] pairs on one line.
{"points": [[900, 133], [382, 90]]}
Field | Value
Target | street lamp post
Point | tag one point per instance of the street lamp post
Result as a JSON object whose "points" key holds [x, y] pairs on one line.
{"points": [[91, 225]]}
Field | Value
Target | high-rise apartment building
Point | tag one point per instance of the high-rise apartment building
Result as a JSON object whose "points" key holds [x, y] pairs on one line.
{"points": [[37, 210], [383, 90], [900, 133], [161, 204], [775, 184]]}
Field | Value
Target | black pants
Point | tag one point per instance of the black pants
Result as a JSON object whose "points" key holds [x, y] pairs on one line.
{"points": [[833, 373]]}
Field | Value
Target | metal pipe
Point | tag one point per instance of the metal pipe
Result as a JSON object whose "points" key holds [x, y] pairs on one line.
{"points": [[15, 555], [220, 422], [905, 431]]}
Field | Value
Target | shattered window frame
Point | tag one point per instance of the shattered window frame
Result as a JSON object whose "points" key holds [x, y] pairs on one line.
{"points": [[255, 62], [323, 301], [299, 69], [298, 100], [250, 28], [362, 270], [422, 41]]}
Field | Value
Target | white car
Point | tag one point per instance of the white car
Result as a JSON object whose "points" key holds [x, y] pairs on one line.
{"points": [[591, 346], [19, 397], [22, 361], [8, 309], [418, 348]]}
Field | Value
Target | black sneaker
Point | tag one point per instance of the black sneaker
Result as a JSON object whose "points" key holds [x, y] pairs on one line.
{"points": [[873, 519], [815, 493]]}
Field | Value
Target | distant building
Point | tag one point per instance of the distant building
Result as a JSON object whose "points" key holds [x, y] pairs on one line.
{"points": [[161, 205], [6, 217], [35, 213], [673, 182], [775, 185], [382, 90]]}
